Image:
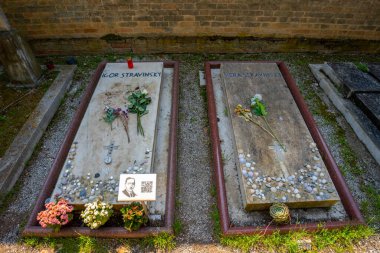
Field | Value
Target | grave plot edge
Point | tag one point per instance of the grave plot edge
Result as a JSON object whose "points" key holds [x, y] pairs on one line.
{"points": [[33, 229], [348, 202]]}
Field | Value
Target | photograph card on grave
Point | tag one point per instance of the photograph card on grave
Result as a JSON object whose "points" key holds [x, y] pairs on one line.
{"points": [[137, 187]]}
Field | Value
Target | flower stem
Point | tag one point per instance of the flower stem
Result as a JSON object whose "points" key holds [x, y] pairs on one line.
{"points": [[274, 135], [248, 117], [140, 129], [263, 128], [124, 121]]}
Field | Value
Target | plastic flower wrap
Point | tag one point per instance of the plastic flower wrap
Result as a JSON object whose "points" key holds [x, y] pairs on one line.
{"points": [[134, 216], [96, 214], [56, 214]]}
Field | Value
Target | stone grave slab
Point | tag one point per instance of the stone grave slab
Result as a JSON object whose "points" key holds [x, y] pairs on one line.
{"points": [[374, 69], [363, 127], [369, 103], [101, 151], [268, 174], [354, 80]]}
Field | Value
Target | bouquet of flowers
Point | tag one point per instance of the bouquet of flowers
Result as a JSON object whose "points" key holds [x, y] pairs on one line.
{"points": [[134, 216], [112, 113], [258, 110], [96, 214], [56, 214], [139, 101]]}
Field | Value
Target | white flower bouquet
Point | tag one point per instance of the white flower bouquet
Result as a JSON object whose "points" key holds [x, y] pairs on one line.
{"points": [[96, 214]]}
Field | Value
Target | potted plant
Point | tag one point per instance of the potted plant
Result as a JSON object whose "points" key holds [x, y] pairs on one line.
{"points": [[134, 216], [57, 214], [96, 214]]}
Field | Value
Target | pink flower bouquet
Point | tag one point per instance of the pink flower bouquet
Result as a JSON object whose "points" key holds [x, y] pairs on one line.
{"points": [[55, 215]]}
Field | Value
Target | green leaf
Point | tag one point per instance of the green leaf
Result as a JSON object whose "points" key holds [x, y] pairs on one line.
{"points": [[262, 109], [132, 100], [259, 108]]}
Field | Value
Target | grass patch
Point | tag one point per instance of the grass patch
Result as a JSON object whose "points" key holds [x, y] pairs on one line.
{"points": [[203, 93], [371, 207], [243, 243], [85, 244], [216, 221], [341, 240], [163, 241], [337, 240], [177, 227], [31, 241], [213, 191], [57, 244], [88, 245], [362, 67]]}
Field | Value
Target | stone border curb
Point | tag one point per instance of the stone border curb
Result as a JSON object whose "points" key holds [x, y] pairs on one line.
{"points": [[202, 79], [32, 227], [22, 147], [345, 195], [347, 108]]}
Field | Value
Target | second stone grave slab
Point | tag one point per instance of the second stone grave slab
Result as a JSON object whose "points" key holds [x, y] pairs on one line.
{"points": [[268, 173], [369, 103], [374, 70], [354, 80]]}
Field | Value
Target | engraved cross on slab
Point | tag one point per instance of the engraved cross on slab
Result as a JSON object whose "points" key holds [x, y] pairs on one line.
{"points": [[110, 148], [279, 155]]}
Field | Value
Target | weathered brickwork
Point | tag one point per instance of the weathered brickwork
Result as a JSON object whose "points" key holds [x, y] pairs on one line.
{"points": [[329, 19]]}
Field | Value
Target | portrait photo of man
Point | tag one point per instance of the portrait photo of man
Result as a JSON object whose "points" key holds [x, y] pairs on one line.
{"points": [[130, 184], [137, 187]]}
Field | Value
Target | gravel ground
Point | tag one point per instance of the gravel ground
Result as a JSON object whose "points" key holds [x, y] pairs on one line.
{"points": [[194, 200], [194, 171]]}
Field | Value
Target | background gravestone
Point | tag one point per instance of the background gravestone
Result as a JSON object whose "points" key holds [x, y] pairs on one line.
{"points": [[374, 69], [16, 57], [353, 79], [369, 103]]}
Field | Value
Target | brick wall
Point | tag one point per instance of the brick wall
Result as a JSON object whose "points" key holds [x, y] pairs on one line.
{"points": [[326, 19]]}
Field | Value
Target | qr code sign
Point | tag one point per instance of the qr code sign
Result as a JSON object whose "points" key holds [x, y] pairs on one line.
{"points": [[146, 186]]}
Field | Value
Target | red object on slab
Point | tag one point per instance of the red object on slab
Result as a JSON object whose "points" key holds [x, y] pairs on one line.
{"points": [[130, 63]]}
